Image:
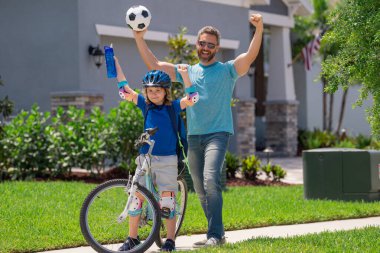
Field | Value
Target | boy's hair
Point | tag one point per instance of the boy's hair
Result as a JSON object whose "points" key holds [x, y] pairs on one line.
{"points": [[210, 30], [167, 98]]}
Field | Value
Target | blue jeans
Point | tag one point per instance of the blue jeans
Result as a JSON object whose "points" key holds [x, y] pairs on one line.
{"points": [[206, 156]]}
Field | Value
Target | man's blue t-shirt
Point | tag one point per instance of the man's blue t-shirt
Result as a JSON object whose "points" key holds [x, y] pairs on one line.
{"points": [[158, 116], [215, 84]]}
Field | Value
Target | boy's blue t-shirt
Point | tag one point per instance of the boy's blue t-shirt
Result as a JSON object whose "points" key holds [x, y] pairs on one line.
{"points": [[158, 116], [215, 84]]}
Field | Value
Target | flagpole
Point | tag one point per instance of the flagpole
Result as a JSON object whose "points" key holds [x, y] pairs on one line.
{"points": [[295, 59]]}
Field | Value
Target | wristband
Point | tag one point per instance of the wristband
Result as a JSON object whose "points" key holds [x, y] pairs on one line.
{"points": [[122, 84], [190, 89]]}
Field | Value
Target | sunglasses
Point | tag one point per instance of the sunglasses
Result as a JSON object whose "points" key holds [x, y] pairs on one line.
{"points": [[209, 44]]}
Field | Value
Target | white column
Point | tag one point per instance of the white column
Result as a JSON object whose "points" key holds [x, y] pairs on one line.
{"points": [[280, 79]]}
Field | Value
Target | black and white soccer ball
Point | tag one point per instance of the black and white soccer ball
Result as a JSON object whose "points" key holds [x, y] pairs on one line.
{"points": [[138, 17]]}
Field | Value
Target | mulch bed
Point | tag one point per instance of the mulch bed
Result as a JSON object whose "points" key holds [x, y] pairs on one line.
{"points": [[120, 173], [231, 182]]}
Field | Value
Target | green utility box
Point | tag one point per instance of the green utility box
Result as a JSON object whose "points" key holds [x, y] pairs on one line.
{"points": [[341, 174]]}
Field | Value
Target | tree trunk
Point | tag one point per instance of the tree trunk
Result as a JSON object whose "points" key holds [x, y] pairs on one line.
{"points": [[331, 112], [324, 105], [342, 107]]}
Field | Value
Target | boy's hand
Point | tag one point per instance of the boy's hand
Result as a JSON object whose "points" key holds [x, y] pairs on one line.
{"points": [[129, 93], [182, 68], [139, 34]]}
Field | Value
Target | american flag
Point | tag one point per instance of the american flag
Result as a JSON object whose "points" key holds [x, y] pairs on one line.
{"points": [[309, 50]]}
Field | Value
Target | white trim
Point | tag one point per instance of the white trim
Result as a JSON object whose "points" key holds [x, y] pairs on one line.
{"points": [[124, 32], [299, 7], [275, 19], [239, 3]]}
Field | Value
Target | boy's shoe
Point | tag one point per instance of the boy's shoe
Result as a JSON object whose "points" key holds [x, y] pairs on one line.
{"points": [[129, 244], [169, 245], [203, 242]]}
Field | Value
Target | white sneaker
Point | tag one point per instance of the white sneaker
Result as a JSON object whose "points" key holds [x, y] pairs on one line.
{"points": [[212, 241]]}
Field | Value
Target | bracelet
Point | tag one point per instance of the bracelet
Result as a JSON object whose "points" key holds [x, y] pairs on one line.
{"points": [[122, 84], [190, 89]]}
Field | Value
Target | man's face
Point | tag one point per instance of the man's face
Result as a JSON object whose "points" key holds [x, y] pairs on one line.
{"points": [[207, 47]]}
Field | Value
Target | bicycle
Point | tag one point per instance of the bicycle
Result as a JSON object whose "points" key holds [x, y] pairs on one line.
{"points": [[104, 211]]}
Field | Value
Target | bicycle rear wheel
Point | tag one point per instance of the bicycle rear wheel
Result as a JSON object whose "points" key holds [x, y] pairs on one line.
{"points": [[101, 209], [181, 202]]}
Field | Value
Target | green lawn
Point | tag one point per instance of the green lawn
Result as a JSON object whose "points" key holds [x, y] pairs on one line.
{"points": [[38, 216], [358, 240]]}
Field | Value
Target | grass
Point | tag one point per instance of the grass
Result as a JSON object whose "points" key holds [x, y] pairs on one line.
{"points": [[357, 240], [36, 216]]}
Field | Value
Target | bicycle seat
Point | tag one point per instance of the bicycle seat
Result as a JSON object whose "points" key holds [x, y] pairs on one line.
{"points": [[151, 131]]}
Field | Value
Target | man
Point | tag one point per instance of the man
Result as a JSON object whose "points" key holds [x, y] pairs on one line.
{"points": [[210, 122]]}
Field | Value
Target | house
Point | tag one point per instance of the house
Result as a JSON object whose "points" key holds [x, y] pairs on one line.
{"points": [[44, 57]]}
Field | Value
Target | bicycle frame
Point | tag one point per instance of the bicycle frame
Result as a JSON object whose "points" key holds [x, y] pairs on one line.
{"points": [[144, 169]]}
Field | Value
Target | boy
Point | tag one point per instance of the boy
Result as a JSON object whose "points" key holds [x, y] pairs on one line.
{"points": [[156, 89]]}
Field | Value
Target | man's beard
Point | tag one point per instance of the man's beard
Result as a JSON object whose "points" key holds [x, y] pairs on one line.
{"points": [[207, 59]]}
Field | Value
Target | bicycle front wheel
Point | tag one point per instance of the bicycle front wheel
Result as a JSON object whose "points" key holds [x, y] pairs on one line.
{"points": [[181, 202], [100, 212]]}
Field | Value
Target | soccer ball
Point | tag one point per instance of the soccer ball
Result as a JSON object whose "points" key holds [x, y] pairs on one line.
{"points": [[138, 17]]}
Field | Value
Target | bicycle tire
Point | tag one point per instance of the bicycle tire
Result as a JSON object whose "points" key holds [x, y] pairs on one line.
{"points": [[180, 211], [102, 207]]}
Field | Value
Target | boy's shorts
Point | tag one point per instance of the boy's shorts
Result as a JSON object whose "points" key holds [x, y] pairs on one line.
{"points": [[164, 172]]}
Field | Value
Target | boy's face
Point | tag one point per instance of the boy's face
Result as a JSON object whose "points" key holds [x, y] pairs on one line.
{"points": [[156, 95]]}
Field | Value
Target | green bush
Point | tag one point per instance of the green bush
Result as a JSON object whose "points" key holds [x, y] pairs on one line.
{"points": [[267, 169], [232, 164], [32, 146], [25, 145], [250, 167], [278, 173]]}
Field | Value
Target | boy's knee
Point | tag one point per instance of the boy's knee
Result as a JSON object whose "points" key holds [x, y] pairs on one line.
{"points": [[167, 204]]}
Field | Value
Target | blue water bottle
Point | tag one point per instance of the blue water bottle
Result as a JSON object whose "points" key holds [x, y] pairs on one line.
{"points": [[110, 61]]}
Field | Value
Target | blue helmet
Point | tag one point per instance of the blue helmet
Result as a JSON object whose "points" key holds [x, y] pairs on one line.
{"points": [[157, 78]]}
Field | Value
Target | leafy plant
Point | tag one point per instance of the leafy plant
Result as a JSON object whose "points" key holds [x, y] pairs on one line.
{"points": [[6, 107], [278, 172], [250, 167], [232, 164], [355, 26], [267, 169], [25, 144]]}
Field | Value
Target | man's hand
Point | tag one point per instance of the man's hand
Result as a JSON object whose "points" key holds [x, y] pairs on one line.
{"points": [[257, 21]]}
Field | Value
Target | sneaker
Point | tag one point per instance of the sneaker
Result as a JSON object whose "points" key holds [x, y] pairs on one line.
{"points": [[212, 241], [169, 245], [129, 244], [203, 242]]}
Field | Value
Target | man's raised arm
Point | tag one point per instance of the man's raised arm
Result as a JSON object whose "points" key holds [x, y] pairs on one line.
{"points": [[244, 61], [150, 59]]}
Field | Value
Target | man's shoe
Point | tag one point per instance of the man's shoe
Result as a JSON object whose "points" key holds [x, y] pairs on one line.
{"points": [[169, 245], [200, 243], [203, 242], [212, 241], [129, 244]]}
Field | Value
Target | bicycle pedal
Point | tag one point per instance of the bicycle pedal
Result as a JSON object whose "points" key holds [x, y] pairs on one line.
{"points": [[165, 212]]}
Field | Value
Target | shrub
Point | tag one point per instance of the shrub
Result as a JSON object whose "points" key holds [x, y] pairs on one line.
{"points": [[25, 144], [267, 169], [250, 167], [278, 173], [232, 164], [31, 146]]}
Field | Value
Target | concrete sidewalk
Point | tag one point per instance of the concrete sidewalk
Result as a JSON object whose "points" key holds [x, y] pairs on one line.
{"points": [[186, 242]]}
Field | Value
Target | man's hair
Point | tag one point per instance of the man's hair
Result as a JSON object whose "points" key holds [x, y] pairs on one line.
{"points": [[167, 98], [210, 30]]}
